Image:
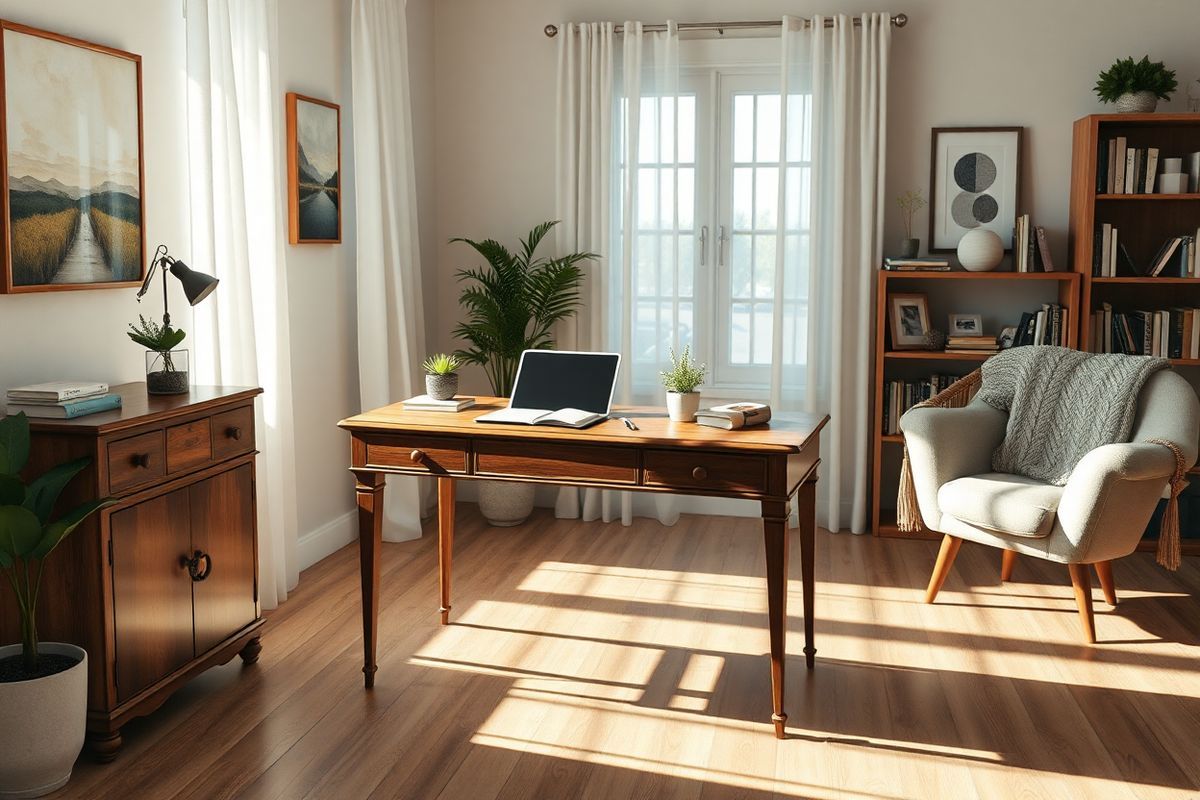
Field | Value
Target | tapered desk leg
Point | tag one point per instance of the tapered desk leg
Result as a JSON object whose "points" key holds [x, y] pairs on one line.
{"points": [[806, 501], [445, 542], [369, 491], [775, 537]]}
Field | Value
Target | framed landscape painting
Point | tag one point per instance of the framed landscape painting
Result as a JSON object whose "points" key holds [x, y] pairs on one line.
{"points": [[73, 192], [314, 153]]}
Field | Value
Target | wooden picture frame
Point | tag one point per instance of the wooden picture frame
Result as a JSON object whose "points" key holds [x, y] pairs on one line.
{"points": [[965, 325], [982, 167], [314, 165], [908, 320], [59, 127]]}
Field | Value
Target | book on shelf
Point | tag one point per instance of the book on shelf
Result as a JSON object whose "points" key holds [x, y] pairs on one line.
{"points": [[1151, 170], [1121, 169], [733, 416], [1031, 251], [424, 402], [1046, 326], [1044, 249], [67, 409], [900, 396], [1165, 333], [972, 344], [56, 391], [916, 264]]}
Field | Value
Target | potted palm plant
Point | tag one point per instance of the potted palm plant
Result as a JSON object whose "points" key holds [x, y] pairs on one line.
{"points": [[43, 685], [681, 382], [511, 305]]}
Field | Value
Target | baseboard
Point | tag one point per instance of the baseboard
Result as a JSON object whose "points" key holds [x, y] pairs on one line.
{"points": [[327, 539]]}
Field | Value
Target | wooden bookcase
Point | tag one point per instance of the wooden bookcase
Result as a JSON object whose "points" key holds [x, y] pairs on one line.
{"points": [[948, 292], [1144, 222]]}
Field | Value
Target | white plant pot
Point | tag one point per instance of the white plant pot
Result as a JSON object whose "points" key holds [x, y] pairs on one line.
{"points": [[42, 725], [504, 503], [1136, 102], [682, 406]]}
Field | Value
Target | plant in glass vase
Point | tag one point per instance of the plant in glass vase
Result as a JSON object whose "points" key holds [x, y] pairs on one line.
{"points": [[166, 367]]}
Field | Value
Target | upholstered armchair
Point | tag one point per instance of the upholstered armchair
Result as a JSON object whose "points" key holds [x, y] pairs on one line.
{"points": [[1098, 516]]}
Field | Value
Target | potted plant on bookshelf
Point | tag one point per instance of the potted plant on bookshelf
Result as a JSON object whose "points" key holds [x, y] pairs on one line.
{"points": [[441, 376], [681, 382], [910, 203], [1136, 86], [43, 685], [512, 304], [166, 367]]}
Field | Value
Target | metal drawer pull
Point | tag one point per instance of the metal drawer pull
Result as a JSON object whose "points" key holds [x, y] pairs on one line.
{"points": [[141, 460], [193, 565], [699, 473], [234, 433]]}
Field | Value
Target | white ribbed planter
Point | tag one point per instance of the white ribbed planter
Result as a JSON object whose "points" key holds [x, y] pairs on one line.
{"points": [[505, 503], [1136, 103], [42, 725]]}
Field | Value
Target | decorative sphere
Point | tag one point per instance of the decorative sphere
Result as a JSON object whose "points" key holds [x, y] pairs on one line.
{"points": [[980, 250]]}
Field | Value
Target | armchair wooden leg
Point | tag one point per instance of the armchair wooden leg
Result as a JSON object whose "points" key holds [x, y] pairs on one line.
{"points": [[1007, 561], [1081, 579], [1104, 573], [941, 569]]}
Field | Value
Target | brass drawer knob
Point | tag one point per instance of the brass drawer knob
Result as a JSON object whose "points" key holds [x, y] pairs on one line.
{"points": [[234, 433], [417, 456], [699, 473], [141, 460]]}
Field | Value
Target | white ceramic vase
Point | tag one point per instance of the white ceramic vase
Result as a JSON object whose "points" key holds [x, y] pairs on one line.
{"points": [[42, 725], [980, 250], [505, 503], [1136, 103], [682, 406]]}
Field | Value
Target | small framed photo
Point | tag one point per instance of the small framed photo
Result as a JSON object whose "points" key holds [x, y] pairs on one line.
{"points": [[974, 182], [966, 325], [908, 316]]}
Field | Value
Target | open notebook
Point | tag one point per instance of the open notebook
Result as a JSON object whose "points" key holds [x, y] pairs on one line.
{"points": [[563, 417]]}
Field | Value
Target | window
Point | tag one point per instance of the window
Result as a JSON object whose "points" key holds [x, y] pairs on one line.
{"points": [[707, 233]]}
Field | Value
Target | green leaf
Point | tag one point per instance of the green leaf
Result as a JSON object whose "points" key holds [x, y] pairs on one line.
{"points": [[20, 531], [14, 443], [43, 492], [55, 532], [12, 491]]}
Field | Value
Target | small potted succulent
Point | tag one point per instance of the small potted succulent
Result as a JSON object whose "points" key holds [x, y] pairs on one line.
{"points": [[441, 376], [43, 685], [910, 203], [166, 367], [1136, 86], [681, 382]]}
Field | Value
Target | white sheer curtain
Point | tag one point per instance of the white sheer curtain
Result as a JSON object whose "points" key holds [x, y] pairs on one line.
{"points": [[617, 197], [391, 337], [241, 333]]}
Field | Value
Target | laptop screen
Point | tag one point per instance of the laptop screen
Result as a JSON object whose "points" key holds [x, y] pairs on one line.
{"points": [[553, 379]]}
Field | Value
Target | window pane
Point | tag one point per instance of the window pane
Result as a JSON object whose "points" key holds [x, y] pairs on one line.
{"points": [[743, 197], [762, 333], [666, 265], [687, 197], [797, 124], [739, 265], [687, 129], [666, 131], [646, 258], [647, 187], [648, 131], [766, 198], [685, 324], [743, 127], [666, 194], [767, 128], [739, 333], [645, 332], [795, 271], [687, 264], [764, 265]]}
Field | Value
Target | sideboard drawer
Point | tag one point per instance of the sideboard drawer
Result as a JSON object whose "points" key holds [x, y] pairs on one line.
{"points": [[233, 433], [136, 460], [556, 461], [189, 445], [706, 471], [419, 454]]}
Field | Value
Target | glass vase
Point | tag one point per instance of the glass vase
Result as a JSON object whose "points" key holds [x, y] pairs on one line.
{"points": [[167, 372]]}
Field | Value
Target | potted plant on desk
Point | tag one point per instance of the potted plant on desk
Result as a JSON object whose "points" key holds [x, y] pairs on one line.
{"points": [[681, 382], [43, 685], [512, 304]]}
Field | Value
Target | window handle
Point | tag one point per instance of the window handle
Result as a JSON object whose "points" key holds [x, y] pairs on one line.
{"points": [[721, 238], [703, 245]]}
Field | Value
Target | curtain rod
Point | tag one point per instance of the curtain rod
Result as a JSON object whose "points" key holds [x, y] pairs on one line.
{"points": [[899, 20]]}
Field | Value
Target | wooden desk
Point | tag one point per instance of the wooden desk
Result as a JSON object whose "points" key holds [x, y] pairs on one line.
{"points": [[771, 464]]}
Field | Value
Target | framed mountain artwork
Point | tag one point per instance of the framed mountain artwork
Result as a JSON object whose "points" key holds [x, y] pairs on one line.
{"points": [[73, 192], [314, 156]]}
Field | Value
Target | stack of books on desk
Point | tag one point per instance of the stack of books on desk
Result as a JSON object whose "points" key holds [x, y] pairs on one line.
{"points": [[734, 415], [62, 400], [424, 402], [972, 344]]}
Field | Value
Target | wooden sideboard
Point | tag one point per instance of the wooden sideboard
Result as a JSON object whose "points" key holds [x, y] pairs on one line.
{"points": [[164, 584]]}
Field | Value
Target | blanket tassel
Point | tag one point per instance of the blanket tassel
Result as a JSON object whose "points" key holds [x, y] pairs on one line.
{"points": [[908, 513], [1170, 552]]}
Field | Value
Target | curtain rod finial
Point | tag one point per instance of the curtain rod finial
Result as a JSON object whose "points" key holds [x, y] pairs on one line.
{"points": [[901, 20], [550, 30]]}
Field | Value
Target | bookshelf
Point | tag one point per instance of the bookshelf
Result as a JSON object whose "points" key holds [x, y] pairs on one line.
{"points": [[999, 297], [1144, 222]]}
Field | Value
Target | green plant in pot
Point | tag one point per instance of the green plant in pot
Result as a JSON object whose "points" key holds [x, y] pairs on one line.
{"points": [[1136, 86], [43, 685], [441, 376], [681, 381], [166, 367], [511, 304]]}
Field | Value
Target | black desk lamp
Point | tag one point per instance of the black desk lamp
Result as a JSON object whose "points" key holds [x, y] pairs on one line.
{"points": [[196, 285]]}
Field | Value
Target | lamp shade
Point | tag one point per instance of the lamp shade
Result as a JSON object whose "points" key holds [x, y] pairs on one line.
{"points": [[196, 285]]}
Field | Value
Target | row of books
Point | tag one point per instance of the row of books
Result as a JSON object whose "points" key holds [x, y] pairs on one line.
{"points": [[900, 396], [1166, 333], [1031, 252], [1176, 257], [1125, 170], [1049, 325], [61, 400]]}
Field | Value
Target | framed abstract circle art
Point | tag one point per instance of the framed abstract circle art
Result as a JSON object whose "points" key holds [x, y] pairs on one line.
{"points": [[974, 182]]}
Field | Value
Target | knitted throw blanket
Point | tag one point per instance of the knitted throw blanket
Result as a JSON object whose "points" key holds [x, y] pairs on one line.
{"points": [[1061, 404]]}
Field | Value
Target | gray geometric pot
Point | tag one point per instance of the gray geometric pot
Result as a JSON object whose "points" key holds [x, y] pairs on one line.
{"points": [[1136, 102], [441, 387]]}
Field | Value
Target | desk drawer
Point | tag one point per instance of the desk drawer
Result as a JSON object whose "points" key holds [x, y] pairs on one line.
{"points": [[706, 471], [424, 455], [135, 461], [557, 461], [189, 445]]}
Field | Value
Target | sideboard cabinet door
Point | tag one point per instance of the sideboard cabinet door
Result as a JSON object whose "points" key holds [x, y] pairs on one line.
{"points": [[222, 516]]}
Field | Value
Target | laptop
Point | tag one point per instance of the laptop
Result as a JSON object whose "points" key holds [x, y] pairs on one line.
{"points": [[567, 388]]}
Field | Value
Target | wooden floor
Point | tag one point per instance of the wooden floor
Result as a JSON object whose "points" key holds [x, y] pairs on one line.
{"points": [[596, 661]]}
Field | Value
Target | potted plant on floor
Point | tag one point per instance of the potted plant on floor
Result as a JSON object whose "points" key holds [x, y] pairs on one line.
{"points": [[43, 685], [512, 304], [441, 376], [681, 382], [1136, 86]]}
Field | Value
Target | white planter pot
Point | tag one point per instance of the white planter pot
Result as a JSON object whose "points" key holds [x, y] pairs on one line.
{"points": [[42, 725], [1136, 103], [504, 503], [682, 406]]}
